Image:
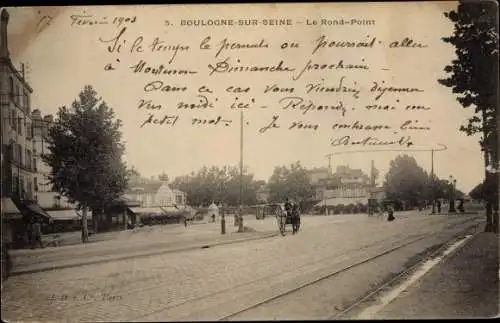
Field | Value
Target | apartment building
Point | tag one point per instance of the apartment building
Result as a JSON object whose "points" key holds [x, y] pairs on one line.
{"points": [[17, 135]]}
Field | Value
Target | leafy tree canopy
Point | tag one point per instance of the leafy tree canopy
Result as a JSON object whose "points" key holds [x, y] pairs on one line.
{"points": [[86, 152], [292, 182]]}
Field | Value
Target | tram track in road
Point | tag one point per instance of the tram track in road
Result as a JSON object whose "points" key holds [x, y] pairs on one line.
{"points": [[186, 302], [359, 305], [363, 298], [215, 302], [179, 308], [137, 287]]}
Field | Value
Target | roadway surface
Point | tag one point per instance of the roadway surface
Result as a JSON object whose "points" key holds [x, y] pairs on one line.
{"points": [[317, 274]]}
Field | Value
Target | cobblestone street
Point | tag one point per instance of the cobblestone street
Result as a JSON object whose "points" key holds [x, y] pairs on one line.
{"points": [[214, 282]]}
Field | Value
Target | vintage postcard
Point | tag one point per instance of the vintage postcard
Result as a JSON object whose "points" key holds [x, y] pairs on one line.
{"points": [[249, 161]]}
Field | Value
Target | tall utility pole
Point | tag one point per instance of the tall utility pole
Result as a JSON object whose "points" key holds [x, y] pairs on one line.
{"points": [[240, 220], [433, 185], [329, 156]]}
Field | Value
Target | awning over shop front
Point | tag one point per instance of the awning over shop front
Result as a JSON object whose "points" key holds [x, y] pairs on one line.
{"points": [[8, 206], [147, 210], [170, 209], [10, 210], [35, 208], [30, 209], [64, 215], [343, 201]]}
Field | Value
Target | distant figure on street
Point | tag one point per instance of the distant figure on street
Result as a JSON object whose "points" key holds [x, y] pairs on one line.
{"points": [[461, 206], [36, 234], [438, 204], [288, 207], [185, 222], [390, 212], [295, 218]]}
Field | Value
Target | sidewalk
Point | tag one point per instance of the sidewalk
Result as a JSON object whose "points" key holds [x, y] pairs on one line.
{"points": [[159, 241], [464, 285]]}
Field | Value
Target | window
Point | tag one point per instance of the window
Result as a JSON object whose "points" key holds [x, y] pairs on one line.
{"points": [[13, 120], [35, 168], [57, 201], [21, 187], [28, 158], [35, 182], [20, 126], [16, 94], [29, 131], [26, 102], [19, 154], [11, 87], [30, 190], [15, 185]]}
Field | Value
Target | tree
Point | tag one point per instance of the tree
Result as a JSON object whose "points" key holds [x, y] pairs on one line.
{"points": [[407, 181], [474, 79], [477, 193], [133, 172], [217, 184], [290, 182], [86, 154]]}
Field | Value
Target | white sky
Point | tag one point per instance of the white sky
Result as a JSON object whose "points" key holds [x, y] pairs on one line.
{"points": [[62, 59]]}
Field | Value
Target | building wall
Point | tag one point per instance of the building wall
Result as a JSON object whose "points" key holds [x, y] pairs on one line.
{"points": [[164, 196], [263, 194], [316, 175], [344, 183], [16, 130]]}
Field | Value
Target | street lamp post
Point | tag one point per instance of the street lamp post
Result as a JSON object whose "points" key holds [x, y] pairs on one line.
{"points": [[453, 182]]}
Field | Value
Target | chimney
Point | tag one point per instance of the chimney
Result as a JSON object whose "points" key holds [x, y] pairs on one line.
{"points": [[4, 49]]}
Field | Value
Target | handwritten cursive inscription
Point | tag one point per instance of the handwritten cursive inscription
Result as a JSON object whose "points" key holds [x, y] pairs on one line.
{"points": [[344, 84]]}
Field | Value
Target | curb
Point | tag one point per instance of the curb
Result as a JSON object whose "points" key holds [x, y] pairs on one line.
{"points": [[456, 213], [140, 255], [472, 230]]}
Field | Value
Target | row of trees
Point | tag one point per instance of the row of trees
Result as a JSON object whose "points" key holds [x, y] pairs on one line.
{"points": [[222, 184], [219, 185], [409, 182]]}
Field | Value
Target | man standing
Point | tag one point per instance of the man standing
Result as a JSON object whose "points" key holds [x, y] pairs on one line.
{"points": [[36, 234], [295, 218], [288, 207]]}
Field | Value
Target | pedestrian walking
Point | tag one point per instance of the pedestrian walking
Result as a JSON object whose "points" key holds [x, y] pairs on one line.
{"points": [[295, 218], [185, 222], [390, 212], [36, 231]]}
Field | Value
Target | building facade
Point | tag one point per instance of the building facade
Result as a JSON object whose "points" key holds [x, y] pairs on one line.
{"points": [[344, 183], [263, 193], [156, 194], [19, 207], [346, 187], [16, 130]]}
